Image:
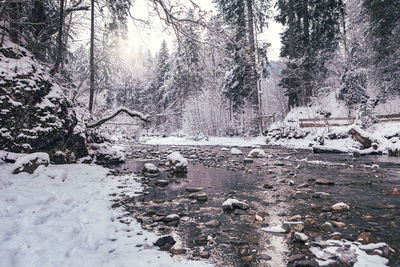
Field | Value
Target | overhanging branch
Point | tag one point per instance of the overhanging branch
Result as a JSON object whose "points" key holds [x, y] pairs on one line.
{"points": [[132, 113]]}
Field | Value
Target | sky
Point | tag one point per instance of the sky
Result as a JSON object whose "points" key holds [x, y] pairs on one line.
{"points": [[143, 38]]}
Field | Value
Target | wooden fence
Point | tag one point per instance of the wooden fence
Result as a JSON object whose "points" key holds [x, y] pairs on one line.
{"points": [[332, 122]]}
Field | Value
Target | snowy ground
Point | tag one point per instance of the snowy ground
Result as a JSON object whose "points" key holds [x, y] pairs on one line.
{"points": [[62, 216], [212, 141]]}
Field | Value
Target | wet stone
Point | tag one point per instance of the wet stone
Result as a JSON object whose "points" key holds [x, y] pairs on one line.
{"points": [[321, 195], [193, 189], [212, 224], [306, 263], [324, 182], [204, 254], [165, 242], [327, 227], [162, 183], [296, 257], [267, 186], [248, 161]]}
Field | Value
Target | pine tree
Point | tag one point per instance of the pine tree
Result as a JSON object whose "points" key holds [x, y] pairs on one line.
{"points": [[384, 32], [309, 41]]}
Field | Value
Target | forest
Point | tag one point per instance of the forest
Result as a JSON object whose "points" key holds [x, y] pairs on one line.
{"points": [[199, 132]]}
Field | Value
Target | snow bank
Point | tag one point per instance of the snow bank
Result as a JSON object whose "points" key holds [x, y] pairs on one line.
{"points": [[384, 136], [61, 216]]}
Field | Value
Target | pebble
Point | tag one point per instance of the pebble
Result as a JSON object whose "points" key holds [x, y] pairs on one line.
{"points": [[248, 160], [296, 257], [193, 189]]}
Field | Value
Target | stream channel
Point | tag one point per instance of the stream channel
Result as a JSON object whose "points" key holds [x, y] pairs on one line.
{"points": [[285, 185]]}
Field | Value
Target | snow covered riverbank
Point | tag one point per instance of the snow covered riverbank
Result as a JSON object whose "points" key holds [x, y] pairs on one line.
{"points": [[61, 215]]}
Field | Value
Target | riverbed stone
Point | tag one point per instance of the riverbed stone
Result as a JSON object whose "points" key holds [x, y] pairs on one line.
{"points": [[212, 224], [327, 227], [340, 206], [150, 168], [293, 226]]}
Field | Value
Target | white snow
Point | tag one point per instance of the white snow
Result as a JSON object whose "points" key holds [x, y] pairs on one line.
{"points": [[150, 167], [39, 157], [274, 229], [212, 141], [62, 216], [347, 251]]}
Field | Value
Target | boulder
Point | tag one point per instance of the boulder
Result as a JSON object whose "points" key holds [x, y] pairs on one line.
{"points": [[35, 115]]}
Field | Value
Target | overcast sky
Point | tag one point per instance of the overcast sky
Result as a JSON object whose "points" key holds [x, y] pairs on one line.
{"points": [[143, 38]]}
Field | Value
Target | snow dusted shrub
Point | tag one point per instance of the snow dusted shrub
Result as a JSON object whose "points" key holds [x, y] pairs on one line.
{"points": [[365, 117]]}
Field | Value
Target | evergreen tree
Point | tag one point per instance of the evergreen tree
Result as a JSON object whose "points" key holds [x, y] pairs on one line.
{"points": [[310, 40], [384, 32]]}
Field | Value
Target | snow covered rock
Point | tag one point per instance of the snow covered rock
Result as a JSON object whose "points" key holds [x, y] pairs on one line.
{"points": [[177, 163], [256, 153], [150, 168], [231, 204], [106, 154], [29, 163], [34, 113], [235, 151]]}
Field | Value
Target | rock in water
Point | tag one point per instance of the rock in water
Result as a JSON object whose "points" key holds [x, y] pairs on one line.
{"points": [[35, 115], [150, 168], [177, 163]]}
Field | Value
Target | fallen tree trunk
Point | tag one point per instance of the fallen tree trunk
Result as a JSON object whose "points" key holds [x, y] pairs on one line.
{"points": [[361, 137], [132, 113]]}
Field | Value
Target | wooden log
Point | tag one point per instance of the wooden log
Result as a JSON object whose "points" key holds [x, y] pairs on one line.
{"points": [[365, 141]]}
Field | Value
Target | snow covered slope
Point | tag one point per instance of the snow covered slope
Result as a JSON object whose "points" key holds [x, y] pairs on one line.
{"points": [[62, 216]]}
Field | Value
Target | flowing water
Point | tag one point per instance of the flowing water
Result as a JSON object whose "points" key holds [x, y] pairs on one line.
{"points": [[364, 183]]}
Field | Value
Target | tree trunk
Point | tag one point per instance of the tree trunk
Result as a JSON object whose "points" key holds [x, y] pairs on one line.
{"points": [[59, 39], [14, 12], [307, 64], [252, 51], [91, 97], [291, 93]]}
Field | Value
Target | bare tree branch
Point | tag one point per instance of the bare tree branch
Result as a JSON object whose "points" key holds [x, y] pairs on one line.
{"points": [[132, 113]]}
